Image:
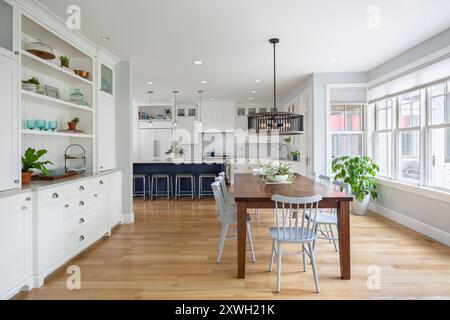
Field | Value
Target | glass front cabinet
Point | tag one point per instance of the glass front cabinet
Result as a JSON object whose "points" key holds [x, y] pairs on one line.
{"points": [[9, 22]]}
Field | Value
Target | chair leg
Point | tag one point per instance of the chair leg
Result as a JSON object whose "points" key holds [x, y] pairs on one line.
{"points": [[304, 257], [313, 259], [272, 257], [279, 267], [250, 241], [223, 236], [334, 239]]}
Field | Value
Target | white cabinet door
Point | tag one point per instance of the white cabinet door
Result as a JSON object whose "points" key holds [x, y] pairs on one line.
{"points": [[106, 132], [50, 246], [15, 249], [9, 161], [164, 142], [147, 141]]}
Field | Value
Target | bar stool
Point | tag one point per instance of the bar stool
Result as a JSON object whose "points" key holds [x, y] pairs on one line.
{"points": [[201, 177], [178, 192], [154, 185], [143, 193]]}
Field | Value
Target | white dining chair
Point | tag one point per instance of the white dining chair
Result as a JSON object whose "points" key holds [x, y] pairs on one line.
{"points": [[328, 220], [293, 227], [228, 217]]}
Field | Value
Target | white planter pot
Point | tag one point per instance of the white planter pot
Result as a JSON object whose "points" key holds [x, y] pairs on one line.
{"points": [[361, 208], [279, 178]]}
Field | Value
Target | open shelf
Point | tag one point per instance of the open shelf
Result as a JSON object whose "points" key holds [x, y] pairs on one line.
{"points": [[57, 134], [32, 58], [60, 102]]}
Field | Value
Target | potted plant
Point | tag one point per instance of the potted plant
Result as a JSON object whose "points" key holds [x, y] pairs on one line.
{"points": [[32, 84], [359, 173], [176, 151], [168, 113], [30, 161], [278, 173], [295, 155], [73, 124], [64, 61]]}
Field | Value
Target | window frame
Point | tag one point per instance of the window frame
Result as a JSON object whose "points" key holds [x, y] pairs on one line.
{"points": [[345, 132], [377, 132]]}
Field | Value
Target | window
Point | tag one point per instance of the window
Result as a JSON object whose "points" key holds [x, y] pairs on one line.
{"points": [[412, 136], [347, 130], [383, 136], [438, 136], [409, 136]]}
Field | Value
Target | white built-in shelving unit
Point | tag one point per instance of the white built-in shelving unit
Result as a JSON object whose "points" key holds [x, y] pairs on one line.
{"points": [[36, 106]]}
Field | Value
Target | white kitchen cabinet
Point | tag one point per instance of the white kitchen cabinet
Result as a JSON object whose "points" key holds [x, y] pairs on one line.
{"points": [[9, 132], [106, 132], [218, 118], [154, 143], [115, 203], [15, 243], [9, 29]]}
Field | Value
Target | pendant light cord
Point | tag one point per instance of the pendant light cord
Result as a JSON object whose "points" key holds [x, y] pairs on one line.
{"points": [[274, 77]]}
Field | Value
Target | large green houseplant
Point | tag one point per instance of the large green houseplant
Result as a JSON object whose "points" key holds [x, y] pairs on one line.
{"points": [[359, 173], [30, 162]]}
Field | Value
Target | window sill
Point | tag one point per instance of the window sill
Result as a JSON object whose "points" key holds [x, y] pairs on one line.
{"points": [[418, 190]]}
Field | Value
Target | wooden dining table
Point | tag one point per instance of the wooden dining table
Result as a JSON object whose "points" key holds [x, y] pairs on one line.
{"points": [[251, 192]]}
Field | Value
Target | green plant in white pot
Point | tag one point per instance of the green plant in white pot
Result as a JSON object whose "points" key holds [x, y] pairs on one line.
{"points": [[359, 173]]}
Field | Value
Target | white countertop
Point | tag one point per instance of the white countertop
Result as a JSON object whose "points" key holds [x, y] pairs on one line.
{"points": [[42, 185], [183, 161]]}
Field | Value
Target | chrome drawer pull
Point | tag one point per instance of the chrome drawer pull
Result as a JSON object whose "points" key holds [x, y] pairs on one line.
{"points": [[81, 238], [81, 203], [82, 221], [55, 196], [95, 195], [81, 188], [66, 206], [101, 183], [28, 199]]}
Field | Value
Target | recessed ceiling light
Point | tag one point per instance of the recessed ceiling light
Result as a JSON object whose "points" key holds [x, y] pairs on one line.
{"points": [[204, 82], [172, 99], [150, 83], [251, 98], [198, 62], [333, 60], [211, 99], [253, 91], [258, 81], [105, 38]]}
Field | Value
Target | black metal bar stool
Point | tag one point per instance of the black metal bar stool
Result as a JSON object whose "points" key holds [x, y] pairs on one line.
{"points": [[178, 187], [154, 186], [201, 191]]}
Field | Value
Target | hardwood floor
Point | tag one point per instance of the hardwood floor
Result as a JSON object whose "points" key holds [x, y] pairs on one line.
{"points": [[169, 253]]}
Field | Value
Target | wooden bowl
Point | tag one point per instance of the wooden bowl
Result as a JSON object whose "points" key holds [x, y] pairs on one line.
{"points": [[81, 73]]}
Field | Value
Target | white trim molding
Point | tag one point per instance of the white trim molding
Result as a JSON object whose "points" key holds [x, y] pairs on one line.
{"points": [[413, 224], [128, 218]]}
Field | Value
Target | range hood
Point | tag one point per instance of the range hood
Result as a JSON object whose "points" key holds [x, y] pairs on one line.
{"points": [[276, 122]]}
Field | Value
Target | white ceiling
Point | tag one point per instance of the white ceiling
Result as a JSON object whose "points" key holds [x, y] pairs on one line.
{"points": [[162, 38]]}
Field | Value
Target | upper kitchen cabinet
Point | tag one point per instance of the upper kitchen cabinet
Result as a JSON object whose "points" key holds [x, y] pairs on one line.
{"points": [[9, 29], [218, 118], [10, 160], [106, 132], [107, 79]]}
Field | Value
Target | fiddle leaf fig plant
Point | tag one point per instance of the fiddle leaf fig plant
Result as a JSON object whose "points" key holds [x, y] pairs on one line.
{"points": [[30, 161], [359, 173]]}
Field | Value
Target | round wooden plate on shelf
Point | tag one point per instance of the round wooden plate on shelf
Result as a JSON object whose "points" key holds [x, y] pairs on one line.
{"points": [[43, 54]]}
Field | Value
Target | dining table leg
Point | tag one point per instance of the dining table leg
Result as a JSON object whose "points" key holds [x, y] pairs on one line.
{"points": [[241, 238], [344, 239]]}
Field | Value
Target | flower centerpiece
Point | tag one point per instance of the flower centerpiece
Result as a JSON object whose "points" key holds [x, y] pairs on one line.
{"points": [[176, 151], [278, 173]]}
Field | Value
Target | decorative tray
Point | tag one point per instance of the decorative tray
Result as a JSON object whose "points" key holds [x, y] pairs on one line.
{"points": [[55, 176]]}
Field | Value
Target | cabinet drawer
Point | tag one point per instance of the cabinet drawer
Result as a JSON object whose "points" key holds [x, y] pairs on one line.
{"points": [[80, 221], [102, 182], [50, 196], [80, 188], [80, 204], [80, 239]]}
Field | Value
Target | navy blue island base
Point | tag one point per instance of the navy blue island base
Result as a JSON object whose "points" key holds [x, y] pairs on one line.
{"points": [[173, 169]]}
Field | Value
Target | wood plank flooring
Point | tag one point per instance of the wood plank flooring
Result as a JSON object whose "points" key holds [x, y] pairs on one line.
{"points": [[169, 253]]}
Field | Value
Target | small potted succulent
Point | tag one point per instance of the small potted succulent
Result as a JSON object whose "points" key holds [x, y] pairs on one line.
{"points": [[295, 155], [64, 61], [359, 173], [30, 162], [278, 173], [73, 124], [32, 84]]}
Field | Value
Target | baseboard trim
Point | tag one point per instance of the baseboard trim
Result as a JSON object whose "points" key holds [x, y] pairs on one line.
{"points": [[416, 225], [128, 218]]}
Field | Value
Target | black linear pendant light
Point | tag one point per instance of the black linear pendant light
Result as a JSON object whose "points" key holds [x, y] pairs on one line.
{"points": [[275, 122]]}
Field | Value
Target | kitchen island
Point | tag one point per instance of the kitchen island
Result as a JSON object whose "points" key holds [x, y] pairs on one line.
{"points": [[179, 166]]}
